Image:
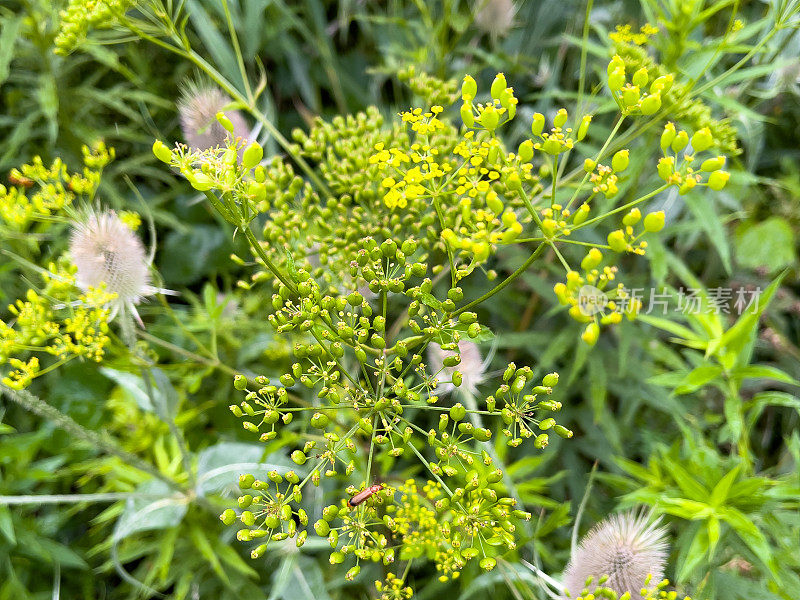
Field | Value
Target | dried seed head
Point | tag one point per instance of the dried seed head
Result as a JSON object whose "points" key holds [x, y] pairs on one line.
{"points": [[494, 17], [472, 367], [198, 108], [624, 547], [106, 251]]}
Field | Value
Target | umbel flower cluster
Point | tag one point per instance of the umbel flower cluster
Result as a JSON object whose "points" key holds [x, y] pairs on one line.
{"points": [[364, 263], [104, 271]]}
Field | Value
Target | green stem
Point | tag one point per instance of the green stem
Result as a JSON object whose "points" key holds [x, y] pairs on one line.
{"points": [[256, 245], [522, 268]]}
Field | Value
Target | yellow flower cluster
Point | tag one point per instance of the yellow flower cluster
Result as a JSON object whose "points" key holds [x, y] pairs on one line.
{"points": [[624, 240], [40, 191], [36, 327], [393, 588], [624, 34], [590, 299], [633, 97], [414, 519], [559, 139], [677, 170], [413, 174]]}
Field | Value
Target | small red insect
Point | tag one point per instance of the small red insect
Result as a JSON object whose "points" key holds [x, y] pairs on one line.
{"points": [[364, 494], [16, 178]]}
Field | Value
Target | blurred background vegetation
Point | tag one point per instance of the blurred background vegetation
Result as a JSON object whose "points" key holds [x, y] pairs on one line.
{"points": [[649, 404]]}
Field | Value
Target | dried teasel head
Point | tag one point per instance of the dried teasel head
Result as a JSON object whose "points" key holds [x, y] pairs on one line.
{"points": [[198, 108], [626, 547]]}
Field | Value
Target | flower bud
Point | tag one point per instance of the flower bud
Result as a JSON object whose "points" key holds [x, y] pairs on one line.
{"points": [[468, 88], [538, 124], [525, 151], [591, 333], [458, 412], [550, 380], [702, 140], [718, 179], [466, 115], [161, 152], [616, 239], [667, 136], [319, 420], [654, 221], [563, 431], [589, 165], [581, 214], [489, 118], [630, 95], [499, 86], [583, 128], [640, 78], [591, 260], [666, 167], [713, 164], [228, 516], [322, 528], [252, 155], [650, 104], [616, 79], [620, 160], [680, 142], [632, 218], [615, 64], [561, 118], [224, 121], [661, 85]]}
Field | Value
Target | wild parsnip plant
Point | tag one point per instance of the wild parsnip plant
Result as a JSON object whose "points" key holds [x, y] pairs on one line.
{"points": [[354, 274], [378, 248]]}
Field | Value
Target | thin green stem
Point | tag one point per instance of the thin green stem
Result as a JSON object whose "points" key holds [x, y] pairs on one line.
{"points": [[256, 245], [506, 282]]}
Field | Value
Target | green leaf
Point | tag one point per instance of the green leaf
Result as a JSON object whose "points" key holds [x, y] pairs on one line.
{"points": [[769, 244], [132, 384], [750, 535], [203, 545], [720, 491], [7, 525], [688, 484], [738, 339], [685, 509], [707, 218], [695, 555], [697, 378], [8, 39], [143, 514], [219, 466], [763, 372], [671, 327], [713, 533]]}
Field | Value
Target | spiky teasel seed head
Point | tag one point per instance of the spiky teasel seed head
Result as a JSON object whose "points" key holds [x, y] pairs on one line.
{"points": [[198, 108], [494, 17], [106, 251], [626, 548], [471, 367]]}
